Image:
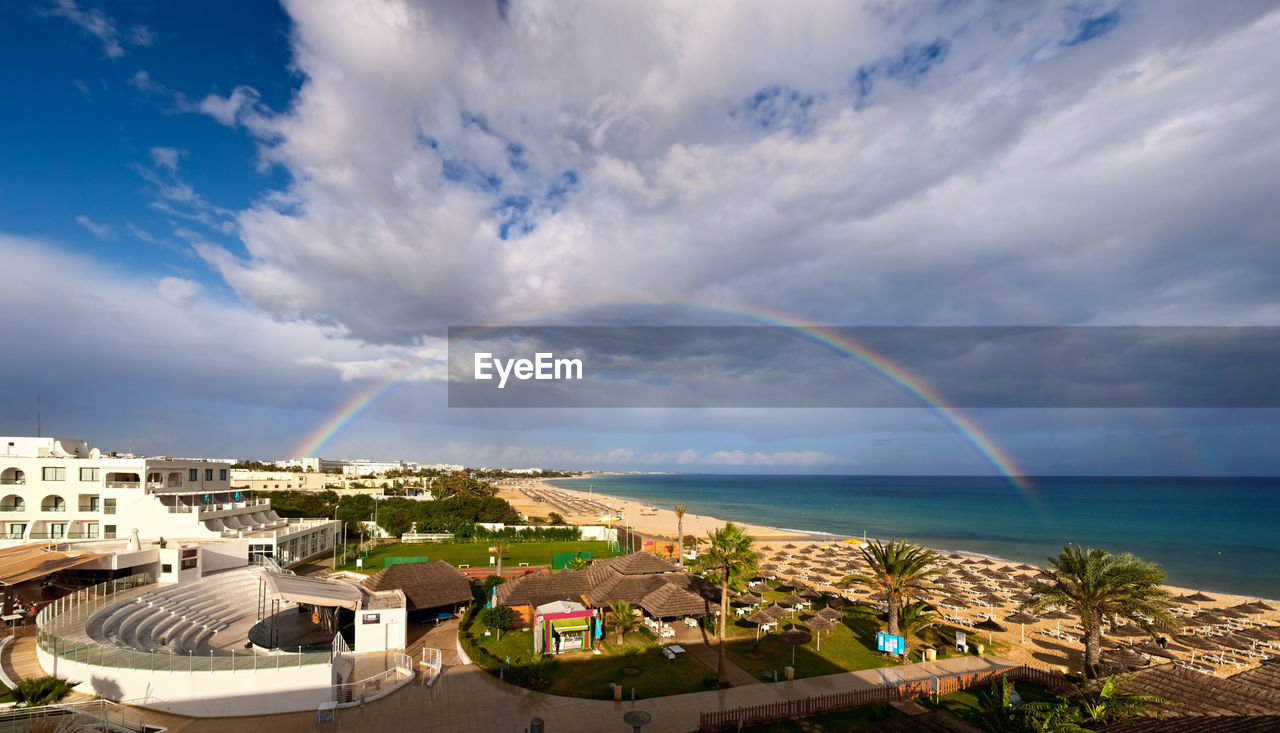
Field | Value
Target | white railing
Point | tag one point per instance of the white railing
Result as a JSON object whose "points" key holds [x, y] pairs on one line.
{"points": [[431, 660], [87, 715], [398, 665], [340, 646]]}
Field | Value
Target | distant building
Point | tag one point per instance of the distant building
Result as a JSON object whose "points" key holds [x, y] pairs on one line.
{"points": [[56, 489]]}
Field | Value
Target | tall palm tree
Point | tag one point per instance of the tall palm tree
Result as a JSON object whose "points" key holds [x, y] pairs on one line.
{"points": [[680, 510], [901, 570], [1100, 586], [624, 617], [729, 555]]}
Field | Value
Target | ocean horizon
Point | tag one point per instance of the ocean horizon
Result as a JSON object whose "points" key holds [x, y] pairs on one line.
{"points": [[1210, 533]]}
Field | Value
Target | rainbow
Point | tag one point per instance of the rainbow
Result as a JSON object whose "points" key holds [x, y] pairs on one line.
{"points": [[824, 335]]}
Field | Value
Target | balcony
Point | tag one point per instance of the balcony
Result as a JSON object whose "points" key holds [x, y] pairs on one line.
{"points": [[54, 508], [124, 484], [13, 481], [89, 507], [180, 509], [13, 507]]}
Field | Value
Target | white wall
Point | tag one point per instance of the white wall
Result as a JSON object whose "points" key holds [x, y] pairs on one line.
{"points": [[388, 632], [217, 556], [205, 694]]}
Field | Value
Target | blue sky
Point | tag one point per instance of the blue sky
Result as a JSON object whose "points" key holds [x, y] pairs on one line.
{"points": [[221, 221]]}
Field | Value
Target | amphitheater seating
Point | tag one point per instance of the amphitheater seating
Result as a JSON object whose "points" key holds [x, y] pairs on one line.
{"points": [[182, 619]]}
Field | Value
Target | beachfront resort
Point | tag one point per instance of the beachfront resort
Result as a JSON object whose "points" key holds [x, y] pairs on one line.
{"points": [[500, 626]]}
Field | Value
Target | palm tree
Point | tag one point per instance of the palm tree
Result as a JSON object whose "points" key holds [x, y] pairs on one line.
{"points": [[42, 691], [901, 570], [1109, 703], [680, 510], [1100, 586], [502, 550], [577, 563], [624, 617], [729, 555], [914, 620]]}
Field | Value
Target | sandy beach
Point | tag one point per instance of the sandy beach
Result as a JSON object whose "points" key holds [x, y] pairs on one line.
{"points": [[1027, 644], [636, 514]]}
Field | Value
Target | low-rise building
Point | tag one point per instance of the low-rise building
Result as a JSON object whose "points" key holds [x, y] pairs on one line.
{"points": [[60, 490]]}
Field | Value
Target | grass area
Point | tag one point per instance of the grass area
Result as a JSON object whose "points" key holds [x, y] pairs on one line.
{"points": [[839, 722], [638, 663], [849, 646], [476, 554]]}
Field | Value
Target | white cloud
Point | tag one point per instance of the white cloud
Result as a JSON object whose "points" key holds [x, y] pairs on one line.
{"points": [[101, 26], [176, 290], [949, 154], [101, 231]]}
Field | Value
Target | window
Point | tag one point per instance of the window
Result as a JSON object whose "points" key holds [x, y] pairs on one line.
{"points": [[17, 505], [53, 504], [108, 506], [166, 568], [88, 474], [109, 531], [16, 531], [189, 563], [222, 474], [57, 530], [193, 474], [91, 531], [54, 473], [208, 474]]}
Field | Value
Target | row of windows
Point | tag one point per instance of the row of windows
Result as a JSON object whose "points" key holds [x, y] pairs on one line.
{"points": [[58, 530], [59, 473], [55, 503], [193, 474]]}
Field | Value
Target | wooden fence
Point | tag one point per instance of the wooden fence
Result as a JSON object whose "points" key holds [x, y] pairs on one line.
{"points": [[807, 706]]}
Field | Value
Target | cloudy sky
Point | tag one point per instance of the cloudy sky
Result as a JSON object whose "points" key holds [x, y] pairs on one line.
{"points": [[241, 229]]}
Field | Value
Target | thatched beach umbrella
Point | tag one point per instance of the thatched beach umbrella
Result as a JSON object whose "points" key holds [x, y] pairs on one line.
{"points": [[809, 593], [760, 618], [988, 625], [831, 614], [759, 588], [1196, 598], [795, 637], [788, 546], [1230, 613], [791, 600], [750, 599], [1056, 615], [1127, 630], [817, 625], [1196, 642], [1022, 618], [777, 612]]}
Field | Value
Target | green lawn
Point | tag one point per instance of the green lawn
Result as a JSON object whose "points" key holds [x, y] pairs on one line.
{"points": [[638, 664], [476, 554], [849, 646]]}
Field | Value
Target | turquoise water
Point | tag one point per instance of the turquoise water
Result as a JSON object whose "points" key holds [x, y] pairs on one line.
{"points": [[1216, 534]]}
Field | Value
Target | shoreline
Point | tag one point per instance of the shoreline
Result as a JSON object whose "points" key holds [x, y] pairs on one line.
{"points": [[765, 535]]}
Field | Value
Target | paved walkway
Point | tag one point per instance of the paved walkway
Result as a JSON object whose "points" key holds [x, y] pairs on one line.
{"points": [[465, 699]]}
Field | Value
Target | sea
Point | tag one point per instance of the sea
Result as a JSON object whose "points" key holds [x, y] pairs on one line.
{"points": [[1215, 534]]}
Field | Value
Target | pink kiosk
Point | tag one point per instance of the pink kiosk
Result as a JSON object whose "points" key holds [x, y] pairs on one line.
{"points": [[563, 626]]}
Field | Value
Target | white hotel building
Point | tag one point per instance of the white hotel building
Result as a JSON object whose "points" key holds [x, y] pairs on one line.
{"points": [[54, 489]]}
